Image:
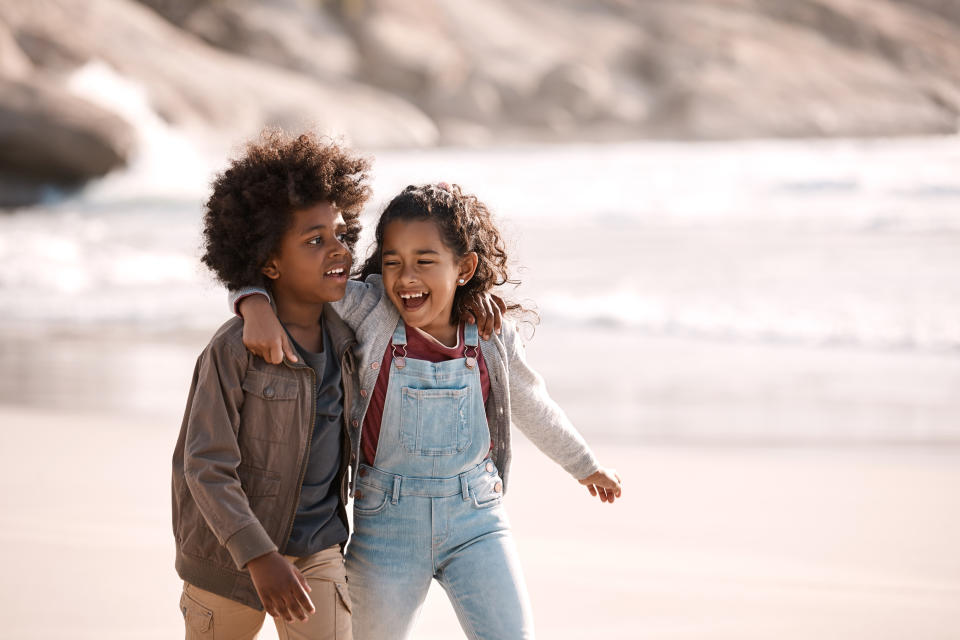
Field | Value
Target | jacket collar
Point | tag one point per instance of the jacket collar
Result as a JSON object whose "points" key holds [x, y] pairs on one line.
{"points": [[341, 335]]}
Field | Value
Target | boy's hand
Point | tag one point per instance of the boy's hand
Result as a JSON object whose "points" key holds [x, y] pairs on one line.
{"points": [[281, 587], [486, 311], [604, 483], [263, 334]]}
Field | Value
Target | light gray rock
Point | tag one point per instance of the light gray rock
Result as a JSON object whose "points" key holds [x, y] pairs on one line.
{"points": [[13, 61], [194, 85], [294, 34]]}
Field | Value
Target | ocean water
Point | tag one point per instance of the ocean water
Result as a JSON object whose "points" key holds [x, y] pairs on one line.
{"points": [[817, 262], [848, 242]]}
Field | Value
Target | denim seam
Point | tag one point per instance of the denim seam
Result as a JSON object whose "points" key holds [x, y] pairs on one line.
{"points": [[461, 613]]}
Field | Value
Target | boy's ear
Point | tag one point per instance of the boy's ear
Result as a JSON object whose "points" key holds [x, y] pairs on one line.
{"points": [[468, 266], [270, 269]]}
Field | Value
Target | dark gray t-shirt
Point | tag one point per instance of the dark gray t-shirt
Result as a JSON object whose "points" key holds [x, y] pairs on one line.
{"points": [[317, 525]]}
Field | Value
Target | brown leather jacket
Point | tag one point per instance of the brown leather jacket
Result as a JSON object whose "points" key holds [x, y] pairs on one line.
{"points": [[241, 456]]}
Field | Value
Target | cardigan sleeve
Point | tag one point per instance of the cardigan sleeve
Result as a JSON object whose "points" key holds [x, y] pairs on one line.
{"points": [[539, 417], [360, 298]]}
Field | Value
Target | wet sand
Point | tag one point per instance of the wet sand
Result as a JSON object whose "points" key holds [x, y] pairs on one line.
{"points": [[708, 542]]}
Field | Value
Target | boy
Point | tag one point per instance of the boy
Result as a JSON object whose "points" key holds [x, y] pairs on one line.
{"points": [[259, 470]]}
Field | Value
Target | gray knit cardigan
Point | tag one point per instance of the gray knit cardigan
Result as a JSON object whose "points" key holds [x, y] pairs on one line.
{"points": [[518, 394]]}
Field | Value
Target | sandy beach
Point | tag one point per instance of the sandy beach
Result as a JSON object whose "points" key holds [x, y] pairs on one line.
{"points": [[708, 542]]}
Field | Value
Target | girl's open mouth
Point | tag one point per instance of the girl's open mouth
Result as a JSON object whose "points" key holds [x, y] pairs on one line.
{"points": [[413, 301]]}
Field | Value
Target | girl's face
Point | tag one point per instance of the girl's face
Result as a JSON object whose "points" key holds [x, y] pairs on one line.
{"points": [[421, 274]]}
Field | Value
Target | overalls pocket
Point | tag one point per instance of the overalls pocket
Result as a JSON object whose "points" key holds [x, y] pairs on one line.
{"points": [[487, 491], [369, 500], [433, 421]]}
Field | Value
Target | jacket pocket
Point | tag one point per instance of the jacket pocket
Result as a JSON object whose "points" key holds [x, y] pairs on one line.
{"points": [[269, 406], [433, 421], [258, 482]]}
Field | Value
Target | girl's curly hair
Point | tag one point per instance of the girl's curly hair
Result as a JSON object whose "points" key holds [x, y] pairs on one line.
{"points": [[465, 225], [253, 200]]}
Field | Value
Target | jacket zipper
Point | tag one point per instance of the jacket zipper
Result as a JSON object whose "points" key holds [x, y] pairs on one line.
{"points": [[306, 451]]}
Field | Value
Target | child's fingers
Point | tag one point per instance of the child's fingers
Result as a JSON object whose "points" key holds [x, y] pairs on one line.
{"points": [[497, 314], [302, 596], [275, 353], [481, 306], [592, 489], [288, 350]]}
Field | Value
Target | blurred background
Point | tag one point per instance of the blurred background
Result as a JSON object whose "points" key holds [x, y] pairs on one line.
{"points": [[739, 221]]}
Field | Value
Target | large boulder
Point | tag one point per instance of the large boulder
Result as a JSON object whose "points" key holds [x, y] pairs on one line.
{"points": [[194, 85], [45, 131]]}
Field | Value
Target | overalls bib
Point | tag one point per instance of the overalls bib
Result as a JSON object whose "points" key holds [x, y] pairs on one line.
{"points": [[430, 507]]}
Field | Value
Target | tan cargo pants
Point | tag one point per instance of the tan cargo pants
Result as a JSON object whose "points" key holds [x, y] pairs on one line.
{"points": [[208, 616]]}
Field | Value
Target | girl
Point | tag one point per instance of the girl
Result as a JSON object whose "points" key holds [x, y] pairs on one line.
{"points": [[435, 406]]}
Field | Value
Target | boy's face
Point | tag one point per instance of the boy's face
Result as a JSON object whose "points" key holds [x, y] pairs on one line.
{"points": [[312, 263]]}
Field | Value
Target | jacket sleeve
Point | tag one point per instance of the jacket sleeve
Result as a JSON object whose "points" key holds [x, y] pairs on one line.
{"points": [[212, 454], [539, 417]]}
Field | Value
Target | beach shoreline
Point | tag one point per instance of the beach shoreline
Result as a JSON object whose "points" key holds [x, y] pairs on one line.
{"points": [[707, 542]]}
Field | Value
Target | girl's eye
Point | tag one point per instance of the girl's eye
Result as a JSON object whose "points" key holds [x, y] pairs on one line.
{"points": [[317, 240], [424, 261], [342, 237], [390, 263]]}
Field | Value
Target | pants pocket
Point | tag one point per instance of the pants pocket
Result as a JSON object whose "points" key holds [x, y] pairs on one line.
{"points": [[369, 500], [344, 612], [487, 491], [197, 618]]}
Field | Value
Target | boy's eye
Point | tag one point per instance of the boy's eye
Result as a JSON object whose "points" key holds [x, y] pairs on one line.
{"points": [[342, 237], [318, 240], [424, 261], [390, 263]]}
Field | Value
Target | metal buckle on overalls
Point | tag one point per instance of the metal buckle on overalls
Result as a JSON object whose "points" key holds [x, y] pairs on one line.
{"points": [[471, 360], [400, 359]]}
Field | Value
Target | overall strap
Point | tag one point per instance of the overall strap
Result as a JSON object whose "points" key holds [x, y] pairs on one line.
{"points": [[471, 335], [400, 333], [471, 340], [400, 345]]}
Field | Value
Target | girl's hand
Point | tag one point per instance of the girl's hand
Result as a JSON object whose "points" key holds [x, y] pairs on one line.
{"points": [[604, 483], [486, 311], [263, 335]]}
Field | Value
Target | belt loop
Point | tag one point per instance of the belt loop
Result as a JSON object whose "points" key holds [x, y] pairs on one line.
{"points": [[464, 488], [396, 489]]}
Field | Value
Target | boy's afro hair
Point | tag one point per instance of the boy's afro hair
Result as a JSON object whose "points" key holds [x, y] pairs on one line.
{"points": [[253, 200]]}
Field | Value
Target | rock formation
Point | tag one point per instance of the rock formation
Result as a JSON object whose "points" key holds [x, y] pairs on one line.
{"points": [[396, 73]]}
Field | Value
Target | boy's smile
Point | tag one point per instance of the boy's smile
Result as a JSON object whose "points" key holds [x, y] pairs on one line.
{"points": [[421, 275]]}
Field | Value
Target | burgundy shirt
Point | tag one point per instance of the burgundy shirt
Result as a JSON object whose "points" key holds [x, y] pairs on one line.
{"points": [[419, 347]]}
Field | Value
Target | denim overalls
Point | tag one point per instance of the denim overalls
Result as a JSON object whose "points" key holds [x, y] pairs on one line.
{"points": [[430, 507]]}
